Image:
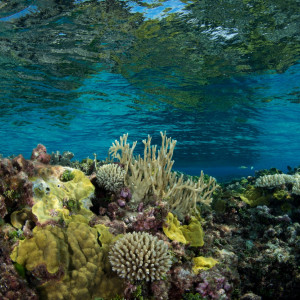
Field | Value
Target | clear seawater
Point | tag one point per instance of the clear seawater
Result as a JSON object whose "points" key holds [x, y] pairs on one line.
{"points": [[220, 77]]}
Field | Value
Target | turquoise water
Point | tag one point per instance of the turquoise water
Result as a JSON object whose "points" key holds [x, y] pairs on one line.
{"points": [[221, 78]]}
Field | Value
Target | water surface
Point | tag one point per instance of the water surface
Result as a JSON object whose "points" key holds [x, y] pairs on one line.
{"points": [[222, 78]]}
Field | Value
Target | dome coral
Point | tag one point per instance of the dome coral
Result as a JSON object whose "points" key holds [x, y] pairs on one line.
{"points": [[140, 256]]}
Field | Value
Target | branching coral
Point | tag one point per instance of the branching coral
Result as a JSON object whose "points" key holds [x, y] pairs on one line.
{"points": [[271, 181], [140, 256], [153, 174]]}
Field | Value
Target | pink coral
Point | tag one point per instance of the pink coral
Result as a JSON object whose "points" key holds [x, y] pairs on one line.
{"points": [[40, 154], [15, 186]]}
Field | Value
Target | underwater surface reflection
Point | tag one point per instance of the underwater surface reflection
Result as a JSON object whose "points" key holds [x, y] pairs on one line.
{"points": [[221, 79]]}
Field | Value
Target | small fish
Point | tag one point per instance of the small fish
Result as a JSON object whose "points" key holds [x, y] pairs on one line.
{"points": [[243, 167]]}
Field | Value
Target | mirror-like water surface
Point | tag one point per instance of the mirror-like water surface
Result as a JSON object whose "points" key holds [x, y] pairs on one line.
{"points": [[220, 77]]}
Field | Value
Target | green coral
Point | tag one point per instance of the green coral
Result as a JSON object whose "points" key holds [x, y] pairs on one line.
{"points": [[67, 175], [190, 296], [255, 196], [191, 234], [282, 195], [19, 217]]}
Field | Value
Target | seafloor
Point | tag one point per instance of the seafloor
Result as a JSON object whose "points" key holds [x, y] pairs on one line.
{"points": [[131, 228]]}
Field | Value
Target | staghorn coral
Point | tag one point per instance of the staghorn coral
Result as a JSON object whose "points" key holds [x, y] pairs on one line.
{"points": [[140, 256], [111, 177], [152, 175]]}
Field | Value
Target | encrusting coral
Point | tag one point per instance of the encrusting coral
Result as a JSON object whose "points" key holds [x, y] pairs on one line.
{"points": [[140, 256], [153, 174], [54, 198], [111, 177]]}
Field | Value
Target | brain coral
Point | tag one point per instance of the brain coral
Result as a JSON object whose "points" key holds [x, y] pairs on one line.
{"points": [[140, 256], [111, 177]]}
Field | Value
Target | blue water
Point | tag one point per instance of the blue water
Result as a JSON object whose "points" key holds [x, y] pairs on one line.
{"points": [[75, 83]]}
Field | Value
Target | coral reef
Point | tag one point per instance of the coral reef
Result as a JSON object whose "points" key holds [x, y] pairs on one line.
{"points": [[132, 229], [68, 262], [55, 199], [15, 186], [140, 256], [13, 284], [191, 234], [63, 159]]}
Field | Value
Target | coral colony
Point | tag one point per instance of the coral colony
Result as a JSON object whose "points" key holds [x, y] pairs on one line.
{"points": [[130, 227]]}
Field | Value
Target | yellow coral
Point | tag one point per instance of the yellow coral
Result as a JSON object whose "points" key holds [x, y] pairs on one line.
{"points": [[47, 246], [54, 199], [191, 234], [172, 229], [203, 263], [76, 251]]}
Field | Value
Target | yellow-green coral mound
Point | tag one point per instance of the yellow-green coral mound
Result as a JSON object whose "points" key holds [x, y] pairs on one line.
{"points": [[76, 253], [191, 234], [55, 199]]}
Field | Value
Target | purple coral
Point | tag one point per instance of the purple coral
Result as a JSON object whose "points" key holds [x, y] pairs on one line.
{"points": [[214, 285], [150, 219]]}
